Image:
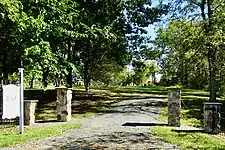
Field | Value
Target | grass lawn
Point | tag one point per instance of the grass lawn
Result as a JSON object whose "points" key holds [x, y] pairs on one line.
{"points": [[9, 135], [188, 140]]}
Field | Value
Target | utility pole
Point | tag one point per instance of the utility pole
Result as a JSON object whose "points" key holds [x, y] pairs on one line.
{"points": [[21, 121]]}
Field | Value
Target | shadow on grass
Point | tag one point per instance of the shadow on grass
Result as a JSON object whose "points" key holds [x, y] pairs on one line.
{"points": [[140, 91], [129, 97], [47, 121], [150, 103], [81, 104], [135, 124]]}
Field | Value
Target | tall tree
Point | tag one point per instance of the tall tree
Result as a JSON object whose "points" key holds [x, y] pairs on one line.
{"points": [[204, 11], [10, 18]]}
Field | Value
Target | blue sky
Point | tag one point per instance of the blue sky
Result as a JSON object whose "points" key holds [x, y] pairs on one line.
{"points": [[151, 28], [151, 32]]}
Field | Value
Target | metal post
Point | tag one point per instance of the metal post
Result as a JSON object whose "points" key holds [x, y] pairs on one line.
{"points": [[21, 102]]}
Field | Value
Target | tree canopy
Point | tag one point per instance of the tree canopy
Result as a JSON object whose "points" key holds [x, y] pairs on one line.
{"points": [[192, 45], [58, 40]]}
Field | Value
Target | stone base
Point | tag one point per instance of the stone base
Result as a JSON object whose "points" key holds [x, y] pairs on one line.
{"points": [[29, 111], [64, 97], [174, 114], [212, 117], [174, 107]]}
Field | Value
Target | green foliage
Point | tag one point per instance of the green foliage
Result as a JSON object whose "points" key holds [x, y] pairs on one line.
{"points": [[58, 40], [41, 55], [141, 72], [192, 45], [182, 65], [13, 78]]}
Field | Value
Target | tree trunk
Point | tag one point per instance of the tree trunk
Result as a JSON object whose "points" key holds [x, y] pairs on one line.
{"points": [[153, 78], [86, 78], [69, 76], [212, 74], [32, 82], [4, 69], [186, 83], [45, 77], [57, 80], [211, 55]]}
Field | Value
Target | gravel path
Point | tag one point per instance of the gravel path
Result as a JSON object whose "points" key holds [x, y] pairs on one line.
{"points": [[107, 131]]}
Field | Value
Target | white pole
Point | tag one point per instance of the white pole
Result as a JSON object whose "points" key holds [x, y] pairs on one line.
{"points": [[21, 102]]}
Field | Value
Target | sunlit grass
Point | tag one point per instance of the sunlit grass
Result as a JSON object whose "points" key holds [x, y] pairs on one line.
{"points": [[186, 119], [188, 140], [79, 116], [10, 136]]}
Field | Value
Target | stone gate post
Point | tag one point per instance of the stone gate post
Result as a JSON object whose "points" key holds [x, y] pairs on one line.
{"points": [[63, 104], [212, 117], [29, 111], [174, 106]]}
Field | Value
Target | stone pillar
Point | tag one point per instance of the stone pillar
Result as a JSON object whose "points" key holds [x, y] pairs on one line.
{"points": [[64, 97], [174, 106], [212, 117], [29, 111]]}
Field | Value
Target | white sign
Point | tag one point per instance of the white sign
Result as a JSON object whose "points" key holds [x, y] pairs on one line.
{"points": [[11, 101]]}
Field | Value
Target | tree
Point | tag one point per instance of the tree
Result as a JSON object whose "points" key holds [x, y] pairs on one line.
{"points": [[153, 69], [10, 18], [207, 16], [53, 22], [93, 36], [183, 49], [141, 72]]}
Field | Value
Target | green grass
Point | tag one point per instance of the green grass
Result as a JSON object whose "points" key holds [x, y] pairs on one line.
{"points": [[79, 116], [9, 136], [191, 115], [185, 118], [141, 89], [188, 140]]}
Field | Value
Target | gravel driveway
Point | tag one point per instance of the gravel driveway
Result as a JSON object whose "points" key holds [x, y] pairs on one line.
{"points": [[109, 131]]}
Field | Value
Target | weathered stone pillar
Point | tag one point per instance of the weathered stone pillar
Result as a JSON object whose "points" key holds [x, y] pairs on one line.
{"points": [[64, 97], [212, 117], [174, 106], [29, 111]]}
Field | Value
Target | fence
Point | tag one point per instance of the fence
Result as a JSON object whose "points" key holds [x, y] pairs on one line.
{"points": [[9, 122]]}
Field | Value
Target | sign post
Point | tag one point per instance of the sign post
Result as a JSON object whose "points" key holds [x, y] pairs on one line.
{"points": [[21, 101]]}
